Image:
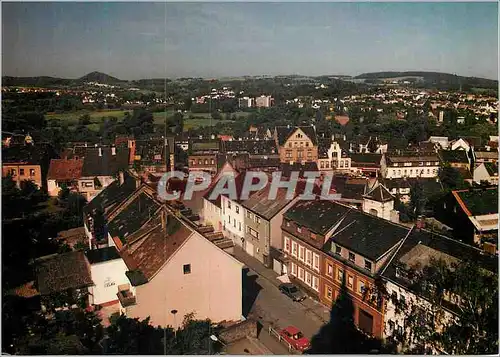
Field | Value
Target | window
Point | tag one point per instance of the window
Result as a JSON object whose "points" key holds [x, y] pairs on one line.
{"points": [[187, 268], [237, 209], [301, 274], [294, 249], [308, 278], [287, 245], [329, 270], [257, 219], [313, 235], [249, 215], [239, 226], [294, 269], [428, 171], [402, 299], [212, 162], [351, 257], [329, 293], [307, 143], [252, 232], [368, 265], [289, 145], [228, 204], [21, 172], [361, 287], [301, 253], [308, 257], [192, 162], [287, 223], [315, 283], [350, 282], [338, 250], [13, 172], [309, 154], [322, 164], [199, 161], [299, 229], [316, 262], [206, 162], [340, 275], [234, 223]]}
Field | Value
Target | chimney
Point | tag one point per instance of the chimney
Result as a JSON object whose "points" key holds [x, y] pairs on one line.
{"points": [[121, 177], [100, 151], [113, 151]]}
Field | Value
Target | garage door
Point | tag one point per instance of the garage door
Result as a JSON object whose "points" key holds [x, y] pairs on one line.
{"points": [[249, 248]]}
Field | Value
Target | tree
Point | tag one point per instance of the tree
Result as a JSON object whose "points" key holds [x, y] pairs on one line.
{"points": [[417, 200], [469, 324], [451, 177], [84, 120]]}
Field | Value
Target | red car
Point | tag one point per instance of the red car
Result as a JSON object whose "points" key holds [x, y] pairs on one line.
{"points": [[294, 337]]}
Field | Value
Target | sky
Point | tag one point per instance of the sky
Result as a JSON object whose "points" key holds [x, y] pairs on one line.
{"points": [[157, 40]]}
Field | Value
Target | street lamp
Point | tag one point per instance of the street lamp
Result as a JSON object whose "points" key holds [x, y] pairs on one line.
{"points": [[174, 312]]}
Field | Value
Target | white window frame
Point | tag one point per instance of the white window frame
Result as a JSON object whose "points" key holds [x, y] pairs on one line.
{"points": [[316, 262], [287, 240], [315, 283], [302, 253], [308, 275], [293, 269], [301, 274], [294, 249], [308, 257]]}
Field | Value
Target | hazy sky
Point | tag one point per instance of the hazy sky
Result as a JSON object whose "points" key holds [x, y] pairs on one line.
{"points": [[145, 40]]}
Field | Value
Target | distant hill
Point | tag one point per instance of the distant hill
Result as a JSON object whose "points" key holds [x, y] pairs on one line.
{"points": [[100, 78], [434, 78], [35, 81]]}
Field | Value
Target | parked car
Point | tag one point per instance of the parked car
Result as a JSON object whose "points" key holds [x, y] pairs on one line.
{"points": [[295, 338], [292, 291]]}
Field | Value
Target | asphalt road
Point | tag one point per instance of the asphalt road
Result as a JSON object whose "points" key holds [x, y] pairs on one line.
{"points": [[264, 302]]}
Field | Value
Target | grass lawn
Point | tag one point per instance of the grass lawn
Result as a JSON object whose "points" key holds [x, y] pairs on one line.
{"points": [[196, 123], [95, 116]]}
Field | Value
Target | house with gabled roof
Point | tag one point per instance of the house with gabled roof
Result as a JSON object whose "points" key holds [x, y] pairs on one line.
{"points": [[296, 143], [486, 171], [162, 263], [63, 172], [101, 165]]}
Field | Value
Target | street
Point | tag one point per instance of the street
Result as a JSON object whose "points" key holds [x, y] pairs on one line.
{"points": [[263, 302]]}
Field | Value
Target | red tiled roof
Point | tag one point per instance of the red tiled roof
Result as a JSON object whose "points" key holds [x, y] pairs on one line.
{"points": [[63, 169], [342, 119]]}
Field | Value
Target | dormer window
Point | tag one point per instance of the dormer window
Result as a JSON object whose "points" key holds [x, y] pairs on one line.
{"points": [[299, 229], [368, 265], [338, 250], [351, 257]]}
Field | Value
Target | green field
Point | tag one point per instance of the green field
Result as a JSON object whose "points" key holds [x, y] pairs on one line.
{"points": [[95, 116], [191, 120]]}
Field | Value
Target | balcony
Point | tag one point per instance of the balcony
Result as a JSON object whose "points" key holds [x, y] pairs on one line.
{"points": [[126, 298]]}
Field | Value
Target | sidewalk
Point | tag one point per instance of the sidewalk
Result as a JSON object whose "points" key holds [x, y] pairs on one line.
{"points": [[312, 306]]}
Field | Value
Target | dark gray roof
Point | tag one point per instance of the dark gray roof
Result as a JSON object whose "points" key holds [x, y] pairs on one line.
{"points": [[112, 195], [284, 132], [60, 272], [252, 147], [152, 151], [379, 194], [105, 164], [454, 156], [368, 235], [133, 216], [319, 215], [372, 160], [102, 255]]}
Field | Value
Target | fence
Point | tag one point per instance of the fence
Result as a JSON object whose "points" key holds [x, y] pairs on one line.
{"points": [[276, 334]]}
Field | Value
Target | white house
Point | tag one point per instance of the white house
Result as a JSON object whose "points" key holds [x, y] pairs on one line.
{"points": [[410, 165], [378, 201], [441, 140], [460, 144], [108, 274], [486, 171]]}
